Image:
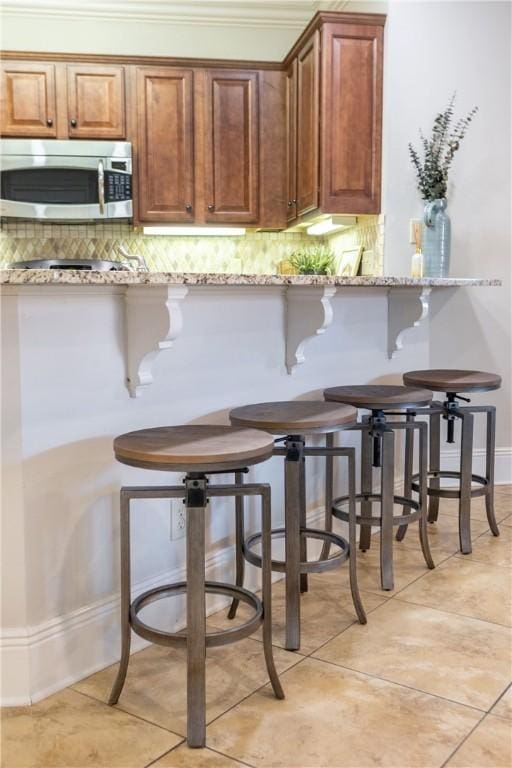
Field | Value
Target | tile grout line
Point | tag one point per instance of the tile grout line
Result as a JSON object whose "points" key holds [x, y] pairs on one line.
{"points": [[235, 759], [499, 699], [466, 737], [211, 749], [372, 610], [256, 690], [164, 754], [401, 685], [118, 708], [454, 613]]}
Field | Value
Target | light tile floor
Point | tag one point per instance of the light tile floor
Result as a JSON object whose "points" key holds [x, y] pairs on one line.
{"points": [[426, 683]]}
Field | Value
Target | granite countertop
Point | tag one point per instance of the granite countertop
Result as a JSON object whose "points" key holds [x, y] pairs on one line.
{"points": [[92, 277]]}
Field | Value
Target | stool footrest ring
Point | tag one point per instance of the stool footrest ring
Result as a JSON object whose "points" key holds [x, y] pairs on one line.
{"points": [[313, 566], [223, 637], [452, 493], [401, 501]]}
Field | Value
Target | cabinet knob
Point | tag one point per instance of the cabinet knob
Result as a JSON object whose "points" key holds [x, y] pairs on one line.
{"points": [[188, 206], [73, 122], [211, 207], [294, 201], [290, 203], [49, 122]]}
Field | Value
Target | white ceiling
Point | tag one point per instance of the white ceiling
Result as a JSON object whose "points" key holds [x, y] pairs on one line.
{"points": [[242, 13]]}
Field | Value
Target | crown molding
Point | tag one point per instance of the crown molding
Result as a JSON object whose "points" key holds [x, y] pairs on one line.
{"points": [[291, 14]]}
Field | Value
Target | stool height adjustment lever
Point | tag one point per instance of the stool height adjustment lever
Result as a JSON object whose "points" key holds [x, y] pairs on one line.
{"points": [[449, 405], [378, 422], [195, 492]]}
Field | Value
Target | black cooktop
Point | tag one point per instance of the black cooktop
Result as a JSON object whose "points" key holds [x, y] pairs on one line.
{"points": [[84, 264]]}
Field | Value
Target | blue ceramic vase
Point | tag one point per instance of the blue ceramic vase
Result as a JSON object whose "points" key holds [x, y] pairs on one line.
{"points": [[436, 239]]}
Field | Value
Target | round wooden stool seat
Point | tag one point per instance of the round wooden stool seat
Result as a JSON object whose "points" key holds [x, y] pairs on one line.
{"points": [[379, 397], [452, 380], [294, 417], [194, 448]]}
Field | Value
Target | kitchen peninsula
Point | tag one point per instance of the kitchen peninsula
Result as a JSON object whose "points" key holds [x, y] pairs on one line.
{"points": [[88, 355]]}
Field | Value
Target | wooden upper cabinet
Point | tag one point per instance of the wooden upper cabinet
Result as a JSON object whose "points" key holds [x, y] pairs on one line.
{"points": [[231, 146], [27, 100], [351, 117], [291, 133], [308, 115], [96, 102], [165, 144]]}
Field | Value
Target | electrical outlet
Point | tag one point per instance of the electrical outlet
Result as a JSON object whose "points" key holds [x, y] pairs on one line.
{"points": [[178, 519], [413, 224]]}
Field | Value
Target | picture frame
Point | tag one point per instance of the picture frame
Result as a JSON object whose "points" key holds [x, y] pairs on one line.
{"points": [[349, 261]]}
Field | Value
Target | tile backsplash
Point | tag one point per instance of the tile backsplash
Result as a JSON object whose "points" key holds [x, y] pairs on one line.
{"points": [[254, 253]]}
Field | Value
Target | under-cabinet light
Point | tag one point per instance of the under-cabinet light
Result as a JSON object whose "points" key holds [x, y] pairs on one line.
{"points": [[331, 224], [195, 231]]}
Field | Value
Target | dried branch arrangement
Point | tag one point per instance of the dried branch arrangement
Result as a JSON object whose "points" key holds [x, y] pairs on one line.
{"points": [[438, 152]]}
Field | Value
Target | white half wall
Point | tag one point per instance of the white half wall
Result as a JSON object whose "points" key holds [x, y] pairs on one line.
{"points": [[70, 381]]}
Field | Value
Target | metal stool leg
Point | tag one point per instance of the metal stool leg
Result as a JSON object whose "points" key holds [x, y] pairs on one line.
{"points": [[466, 461], [125, 600], [354, 588], [292, 467], [303, 524], [239, 542], [266, 578], [329, 476], [196, 616], [423, 483], [489, 469], [409, 457], [366, 484], [386, 522], [435, 464]]}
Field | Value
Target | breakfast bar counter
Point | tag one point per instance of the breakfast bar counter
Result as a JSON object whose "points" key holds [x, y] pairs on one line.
{"points": [[121, 277], [88, 355]]}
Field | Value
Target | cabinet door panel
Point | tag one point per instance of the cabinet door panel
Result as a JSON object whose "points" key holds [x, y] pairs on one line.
{"points": [[231, 146], [28, 106], [165, 145], [351, 118], [291, 139], [96, 104], [308, 116]]}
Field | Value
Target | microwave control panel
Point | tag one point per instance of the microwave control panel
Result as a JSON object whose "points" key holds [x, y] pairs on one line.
{"points": [[118, 186]]}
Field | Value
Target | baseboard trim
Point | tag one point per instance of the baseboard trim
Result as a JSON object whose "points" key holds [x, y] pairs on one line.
{"points": [[450, 460], [40, 660]]}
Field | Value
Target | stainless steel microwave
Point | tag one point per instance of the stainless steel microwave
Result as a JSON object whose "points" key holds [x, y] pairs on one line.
{"points": [[66, 180]]}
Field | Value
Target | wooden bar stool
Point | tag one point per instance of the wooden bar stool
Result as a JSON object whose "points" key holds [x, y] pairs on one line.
{"points": [[198, 451], [378, 450], [295, 420], [453, 382]]}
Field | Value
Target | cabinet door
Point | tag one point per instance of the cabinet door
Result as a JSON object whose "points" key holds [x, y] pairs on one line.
{"points": [[291, 140], [351, 117], [27, 100], [96, 103], [165, 144], [231, 146], [308, 116]]}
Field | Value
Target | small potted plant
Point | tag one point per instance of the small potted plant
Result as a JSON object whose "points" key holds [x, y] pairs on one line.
{"points": [[313, 260], [432, 175]]}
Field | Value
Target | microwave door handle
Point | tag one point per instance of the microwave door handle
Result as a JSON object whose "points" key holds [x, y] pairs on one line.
{"points": [[101, 186]]}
